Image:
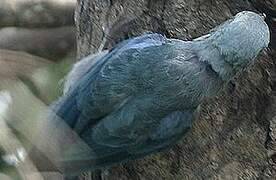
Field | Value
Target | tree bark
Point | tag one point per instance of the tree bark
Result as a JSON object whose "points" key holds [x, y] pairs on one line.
{"points": [[234, 136]]}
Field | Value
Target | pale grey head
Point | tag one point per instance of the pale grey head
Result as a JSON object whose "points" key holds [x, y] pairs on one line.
{"points": [[243, 37], [238, 41]]}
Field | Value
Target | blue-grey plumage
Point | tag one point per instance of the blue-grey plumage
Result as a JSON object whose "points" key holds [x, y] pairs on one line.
{"points": [[140, 97]]}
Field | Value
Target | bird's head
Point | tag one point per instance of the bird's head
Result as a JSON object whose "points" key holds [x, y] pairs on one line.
{"points": [[231, 46], [241, 38]]}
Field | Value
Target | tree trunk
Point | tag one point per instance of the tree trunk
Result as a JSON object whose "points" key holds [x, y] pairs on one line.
{"points": [[234, 136]]}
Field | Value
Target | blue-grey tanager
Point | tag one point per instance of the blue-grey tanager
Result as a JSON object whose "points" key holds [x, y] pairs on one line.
{"points": [[140, 97]]}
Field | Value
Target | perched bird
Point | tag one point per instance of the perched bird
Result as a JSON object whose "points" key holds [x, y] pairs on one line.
{"points": [[140, 97]]}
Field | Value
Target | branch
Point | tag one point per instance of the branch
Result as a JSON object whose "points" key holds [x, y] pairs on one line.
{"points": [[36, 13], [14, 63], [50, 43]]}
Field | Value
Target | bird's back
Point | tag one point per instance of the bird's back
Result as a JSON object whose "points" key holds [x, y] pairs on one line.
{"points": [[69, 107], [123, 97]]}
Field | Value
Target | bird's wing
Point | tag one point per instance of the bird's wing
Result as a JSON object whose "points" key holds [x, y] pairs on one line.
{"points": [[170, 130], [95, 60], [111, 109], [106, 85], [122, 131]]}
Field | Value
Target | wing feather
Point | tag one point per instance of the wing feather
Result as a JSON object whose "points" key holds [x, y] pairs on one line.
{"points": [[100, 89]]}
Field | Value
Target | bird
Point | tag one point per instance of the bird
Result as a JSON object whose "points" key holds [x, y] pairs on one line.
{"points": [[141, 96]]}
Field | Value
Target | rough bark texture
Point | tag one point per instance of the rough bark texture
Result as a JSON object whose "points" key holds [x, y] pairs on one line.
{"points": [[235, 134]]}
